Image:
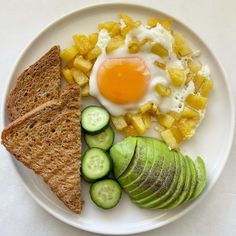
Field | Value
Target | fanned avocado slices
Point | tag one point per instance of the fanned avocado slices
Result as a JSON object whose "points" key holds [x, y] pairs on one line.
{"points": [[122, 154], [201, 177]]}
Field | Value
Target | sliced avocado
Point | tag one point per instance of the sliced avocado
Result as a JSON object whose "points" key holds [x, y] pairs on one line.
{"points": [[159, 200], [148, 165], [159, 184], [186, 187], [137, 164], [121, 155], [194, 178], [179, 186], [201, 177], [152, 173]]}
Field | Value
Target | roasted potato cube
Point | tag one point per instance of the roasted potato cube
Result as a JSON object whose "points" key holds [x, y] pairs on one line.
{"points": [[198, 81], [130, 24], [177, 76], [68, 75], [154, 110], [194, 66], [177, 134], [181, 47], [94, 53], [160, 65], [82, 43], [130, 131], [166, 23], [189, 112], [134, 45], [145, 107], [195, 101], [175, 114], [79, 77], [206, 87], [137, 122], [85, 91], [169, 139], [112, 27], [159, 50], [119, 122], [82, 64], [187, 127], [69, 54], [189, 77], [114, 43], [166, 120], [93, 38], [163, 90], [146, 120]]}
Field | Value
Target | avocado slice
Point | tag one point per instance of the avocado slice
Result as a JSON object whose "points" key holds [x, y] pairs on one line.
{"points": [[152, 173], [186, 187], [137, 164], [159, 200], [159, 184], [179, 186], [201, 177], [194, 178], [148, 165], [121, 155]]}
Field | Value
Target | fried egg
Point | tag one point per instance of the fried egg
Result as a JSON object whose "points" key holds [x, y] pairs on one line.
{"points": [[122, 81]]}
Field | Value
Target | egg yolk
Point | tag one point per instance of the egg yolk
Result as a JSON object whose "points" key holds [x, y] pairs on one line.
{"points": [[123, 80]]}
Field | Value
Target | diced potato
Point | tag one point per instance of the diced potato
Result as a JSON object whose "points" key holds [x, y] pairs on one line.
{"points": [[206, 87], [128, 118], [68, 75], [163, 90], [159, 50], [177, 134], [189, 112], [114, 43], [119, 122], [134, 45], [82, 64], [166, 120], [152, 22], [145, 107], [69, 54], [82, 43], [189, 77], [166, 23], [181, 47], [194, 66], [154, 110], [127, 19], [80, 78], [147, 120], [198, 81], [187, 127], [137, 122], [175, 114], [160, 65], [130, 131], [93, 38], [130, 24], [85, 91], [112, 27], [169, 138], [94, 53], [177, 76], [196, 102]]}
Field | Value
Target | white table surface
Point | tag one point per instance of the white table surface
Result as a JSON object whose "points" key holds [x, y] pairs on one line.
{"points": [[214, 21]]}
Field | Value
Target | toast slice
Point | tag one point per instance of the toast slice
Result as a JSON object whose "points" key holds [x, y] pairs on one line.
{"points": [[48, 141], [36, 85]]}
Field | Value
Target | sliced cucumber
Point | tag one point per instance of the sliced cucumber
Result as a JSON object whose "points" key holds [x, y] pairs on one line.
{"points": [[94, 119], [96, 164], [103, 140], [105, 193]]}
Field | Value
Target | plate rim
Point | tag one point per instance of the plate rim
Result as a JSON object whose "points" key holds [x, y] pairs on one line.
{"points": [[227, 148]]}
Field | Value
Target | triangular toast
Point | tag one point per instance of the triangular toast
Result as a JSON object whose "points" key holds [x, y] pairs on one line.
{"points": [[47, 140], [36, 85]]}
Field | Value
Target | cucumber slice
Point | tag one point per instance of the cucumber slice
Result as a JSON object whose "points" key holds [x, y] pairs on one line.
{"points": [[96, 164], [103, 140], [105, 193], [94, 119]]}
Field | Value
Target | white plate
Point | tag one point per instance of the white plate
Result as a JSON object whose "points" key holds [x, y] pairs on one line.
{"points": [[212, 140]]}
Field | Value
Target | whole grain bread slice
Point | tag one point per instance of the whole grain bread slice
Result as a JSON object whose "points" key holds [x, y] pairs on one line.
{"points": [[48, 141], [36, 85]]}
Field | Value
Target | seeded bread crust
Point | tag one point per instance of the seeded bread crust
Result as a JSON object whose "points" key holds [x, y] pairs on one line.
{"points": [[48, 141], [36, 85]]}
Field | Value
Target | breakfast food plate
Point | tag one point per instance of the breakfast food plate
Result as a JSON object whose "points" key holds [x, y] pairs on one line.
{"points": [[212, 140]]}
